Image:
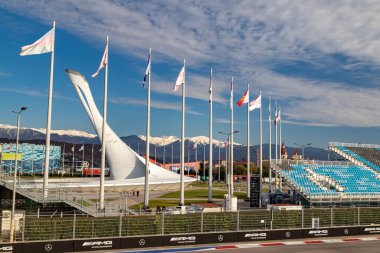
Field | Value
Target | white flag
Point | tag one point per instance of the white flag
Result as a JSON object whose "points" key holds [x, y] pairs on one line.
{"points": [[103, 63], [255, 104], [81, 148], [73, 148], [180, 79], [41, 46]]}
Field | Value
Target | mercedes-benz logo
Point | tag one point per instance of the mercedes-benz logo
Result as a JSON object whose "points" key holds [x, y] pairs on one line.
{"points": [[220, 238], [142, 242], [287, 234], [48, 247], [346, 231]]}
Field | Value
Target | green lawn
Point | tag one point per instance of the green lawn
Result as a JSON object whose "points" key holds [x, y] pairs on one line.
{"points": [[202, 193]]}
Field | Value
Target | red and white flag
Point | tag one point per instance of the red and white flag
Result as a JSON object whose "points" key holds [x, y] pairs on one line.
{"points": [[244, 99], [45, 44], [180, 79], [255, 104], [103, 63]]}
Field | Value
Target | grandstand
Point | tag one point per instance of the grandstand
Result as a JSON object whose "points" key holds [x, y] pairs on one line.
{"points": [[355, 181]]}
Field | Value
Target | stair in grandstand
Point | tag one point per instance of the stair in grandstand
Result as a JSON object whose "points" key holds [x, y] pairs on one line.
{"points": [[360, 154], [62, 195]]}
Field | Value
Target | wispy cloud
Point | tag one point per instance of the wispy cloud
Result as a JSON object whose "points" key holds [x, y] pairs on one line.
{"points": [[247, 39], [5, 74], [162, 105], [34, 93]]}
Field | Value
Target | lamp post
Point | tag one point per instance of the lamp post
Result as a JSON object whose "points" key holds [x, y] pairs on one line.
{"points": [[303, 148], [15, 176], [230, 189]]}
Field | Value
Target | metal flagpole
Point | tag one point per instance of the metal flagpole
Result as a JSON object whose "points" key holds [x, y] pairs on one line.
{"points": [[188, 157], [279, 126], [261, 154], [226, 173], [270, 145], [172, 152], [248, 152], [104, 135], [204, 162], [275, 125], [146, 186], [182, 197], [219, 165], [48, 123], [231, 190], [210, 146], [92, 160]]}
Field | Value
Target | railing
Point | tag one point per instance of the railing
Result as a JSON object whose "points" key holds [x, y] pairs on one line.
{"points": [[36, 228], [358, 145]]}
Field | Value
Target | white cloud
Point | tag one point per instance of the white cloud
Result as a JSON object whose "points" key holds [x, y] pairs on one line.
{"points": [[162, 105], [245, 39]]}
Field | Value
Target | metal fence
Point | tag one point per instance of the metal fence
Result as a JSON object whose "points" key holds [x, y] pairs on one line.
{"points": [[36, 228]]}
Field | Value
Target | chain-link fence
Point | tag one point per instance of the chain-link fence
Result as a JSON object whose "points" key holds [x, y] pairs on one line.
{"points": [[40, 227]]}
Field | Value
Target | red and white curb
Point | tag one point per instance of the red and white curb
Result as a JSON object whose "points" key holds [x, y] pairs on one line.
{"points": [[292, 243]]}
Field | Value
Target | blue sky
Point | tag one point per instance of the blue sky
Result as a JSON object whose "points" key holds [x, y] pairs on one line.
{"points": [[319, 59]]}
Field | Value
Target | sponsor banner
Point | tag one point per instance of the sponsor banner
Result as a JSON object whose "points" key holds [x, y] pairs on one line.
{"points": [[343, 231], [10, 248], [97, 244], [11, 156], [254, 235], [369, 230], [285, 234], [220, 237], [314, 233], [140, 242], [48, 247], [187, 239]]}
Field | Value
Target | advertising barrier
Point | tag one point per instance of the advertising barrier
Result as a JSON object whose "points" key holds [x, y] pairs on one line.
{"points": [[181, 239]]}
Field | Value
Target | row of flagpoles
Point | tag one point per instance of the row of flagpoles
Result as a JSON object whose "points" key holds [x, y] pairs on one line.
{"points": [[46, 45]]}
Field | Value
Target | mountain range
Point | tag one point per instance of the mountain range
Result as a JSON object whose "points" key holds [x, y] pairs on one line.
{"points": [[159, 146]]}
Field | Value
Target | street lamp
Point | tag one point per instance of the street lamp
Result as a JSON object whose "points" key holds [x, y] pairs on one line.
{"points": [[230, 189], [303, 148], [15, 176]]}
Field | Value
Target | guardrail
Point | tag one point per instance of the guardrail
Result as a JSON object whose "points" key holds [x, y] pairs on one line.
{"points": [[41, 228], [359, 145]]}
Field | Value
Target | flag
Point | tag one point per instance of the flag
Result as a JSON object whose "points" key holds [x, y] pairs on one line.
{"points": [[103, 63], [210, 89], [244, 99], [255, 104], [147, 71], [43, 45], [100, 150], [195, 145], [81, 148], [180, 79], [278, 118], [225, 144], [73, 148]]}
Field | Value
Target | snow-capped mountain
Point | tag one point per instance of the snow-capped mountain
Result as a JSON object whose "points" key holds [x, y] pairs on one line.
{"points": [[70, 136], [166, 140]]}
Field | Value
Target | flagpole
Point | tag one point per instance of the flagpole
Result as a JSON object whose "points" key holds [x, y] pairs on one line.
{"points": [[219, 165], [182, 197], [103, 157], [146, 186], [210, 146], [48, 123], [204, 162], [248, 152], [275, 124], [270, 146], [279, 125], [261, 154], [231, 189]]}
